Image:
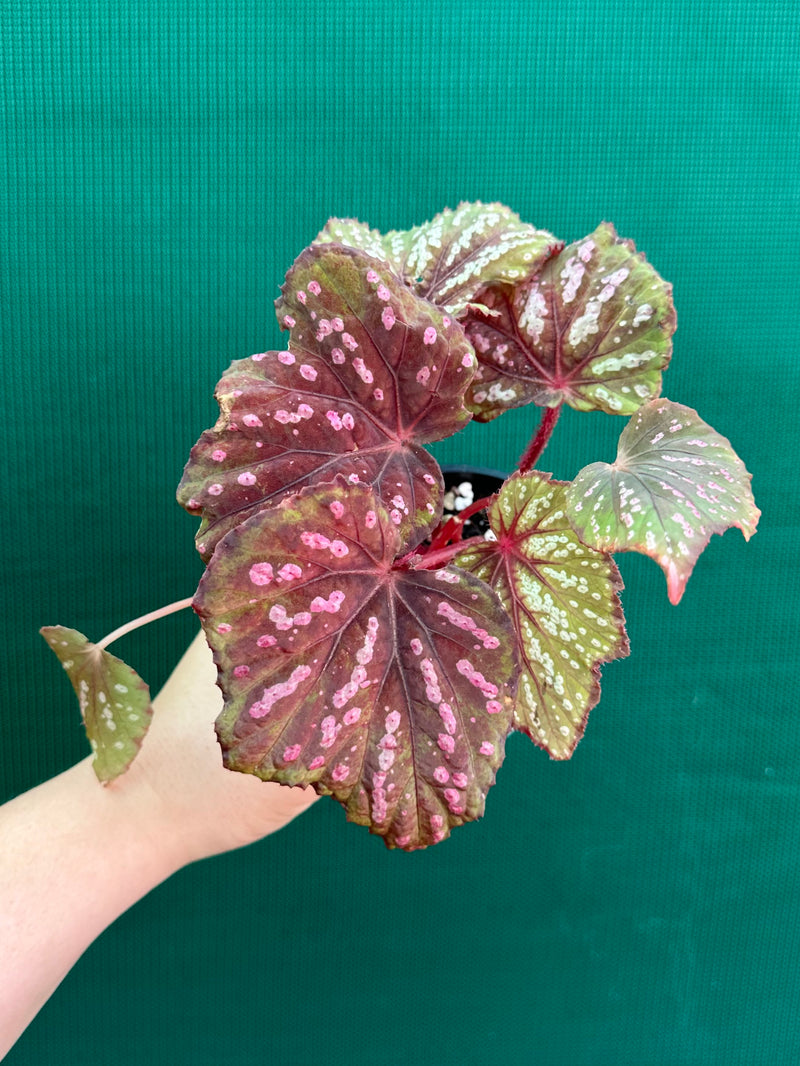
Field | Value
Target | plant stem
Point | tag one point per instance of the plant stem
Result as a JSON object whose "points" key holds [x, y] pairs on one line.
{"points": [[433, 560], [143, 620], [540, 438]]}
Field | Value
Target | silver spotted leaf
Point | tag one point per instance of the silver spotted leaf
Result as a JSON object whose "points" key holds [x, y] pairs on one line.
{"points": [[593, 330], [563, 599], [675, 481], [450, 259], [386, 688], [371, 373], [114, 701]]}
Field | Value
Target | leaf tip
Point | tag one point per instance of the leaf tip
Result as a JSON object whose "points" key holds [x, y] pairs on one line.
{"points": [[675, 586]]}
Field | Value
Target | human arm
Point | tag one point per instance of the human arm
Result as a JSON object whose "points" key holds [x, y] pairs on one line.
{"points": [[74, 855]]}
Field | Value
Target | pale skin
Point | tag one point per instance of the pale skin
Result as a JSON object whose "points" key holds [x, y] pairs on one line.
{"points": [[74, 855]]}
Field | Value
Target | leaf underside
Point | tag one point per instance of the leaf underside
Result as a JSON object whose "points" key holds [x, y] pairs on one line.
{"points": [[114, 701], [563, 599], [385, 688], [451, 258], [592, 330], [371, 373], [675, 481]]}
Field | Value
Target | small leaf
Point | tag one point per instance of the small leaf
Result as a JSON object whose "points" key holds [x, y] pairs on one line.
{"points": [[451, 258], [675, 481], [386, 688], [593, 330], [371, 373], [114, 701], [562, 597]]}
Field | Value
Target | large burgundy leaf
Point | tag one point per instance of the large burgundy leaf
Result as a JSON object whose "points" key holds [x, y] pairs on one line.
{"points": [[371, 373], [593, 330], [385, 688], [114, 701], [675, 481], [451, 258], [562, 597]]}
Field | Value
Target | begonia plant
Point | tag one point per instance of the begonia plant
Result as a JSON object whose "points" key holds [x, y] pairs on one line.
{"points": [[365, 646]]}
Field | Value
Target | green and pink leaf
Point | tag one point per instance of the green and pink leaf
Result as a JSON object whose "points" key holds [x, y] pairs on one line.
{"points": [[114, 701], [371, 373], [674, 483], [563, 599], [593, 329], [389, 689]]}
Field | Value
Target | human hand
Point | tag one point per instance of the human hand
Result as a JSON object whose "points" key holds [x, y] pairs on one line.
{"points": [[203, 809]]}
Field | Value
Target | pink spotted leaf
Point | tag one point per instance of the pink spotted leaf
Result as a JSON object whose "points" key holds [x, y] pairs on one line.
{"points": [[385, 687], [563, 599], [371, 373], [114, 701], [675, 481], [593, 330], [450, 259]]}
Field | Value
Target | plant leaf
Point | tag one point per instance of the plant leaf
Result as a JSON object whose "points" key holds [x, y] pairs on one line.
{"points": [[675, 481], [562, 597], [354, 234], [114, 701], [386, 688], [372, 372], [451, 258], [593, 330]]}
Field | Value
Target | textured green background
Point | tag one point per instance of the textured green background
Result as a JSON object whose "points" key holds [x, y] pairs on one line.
{"points": [[165, 160]]}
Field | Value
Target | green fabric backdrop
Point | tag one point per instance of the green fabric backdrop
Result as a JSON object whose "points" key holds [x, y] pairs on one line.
{"points": [[164, 162]]}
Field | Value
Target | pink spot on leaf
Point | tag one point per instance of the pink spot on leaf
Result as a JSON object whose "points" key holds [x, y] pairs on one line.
{"points": [[261, 573], [279, 691], [363, 371], [290, 571], [392, 721]]}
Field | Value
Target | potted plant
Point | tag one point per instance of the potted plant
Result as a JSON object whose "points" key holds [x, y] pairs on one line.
{"points": [[366, 645]]}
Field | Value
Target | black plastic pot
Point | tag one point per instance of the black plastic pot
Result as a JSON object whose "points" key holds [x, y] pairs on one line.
{"points": [[465, 484]]}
